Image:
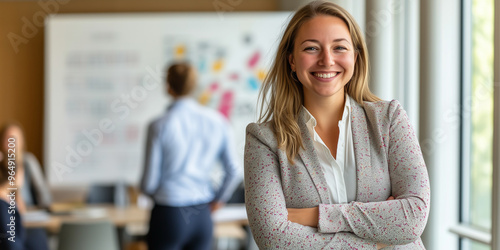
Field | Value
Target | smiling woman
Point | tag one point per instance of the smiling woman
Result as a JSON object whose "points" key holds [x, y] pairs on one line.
{"points": [[323, 60], [330, 165]]}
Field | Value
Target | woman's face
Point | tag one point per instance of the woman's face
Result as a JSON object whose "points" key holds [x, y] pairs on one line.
{"points": [[13, 132], [323, 57]]}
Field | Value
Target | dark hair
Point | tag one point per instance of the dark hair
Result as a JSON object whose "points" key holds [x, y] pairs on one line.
{"points": [[181, 78]]}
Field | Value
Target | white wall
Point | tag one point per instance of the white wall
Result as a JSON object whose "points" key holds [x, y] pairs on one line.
{"points": [[440, 116]]}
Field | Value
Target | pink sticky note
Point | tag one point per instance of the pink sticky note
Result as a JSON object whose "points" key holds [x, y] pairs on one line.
{"points": [[254, 59], [226, 103]]}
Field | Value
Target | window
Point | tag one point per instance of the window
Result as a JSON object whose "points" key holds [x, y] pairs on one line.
{"points": [[477, 124]]}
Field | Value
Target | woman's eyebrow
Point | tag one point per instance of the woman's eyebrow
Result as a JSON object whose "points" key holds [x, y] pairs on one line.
{"points": [[335, 40], [341, 39], [310, 40]]}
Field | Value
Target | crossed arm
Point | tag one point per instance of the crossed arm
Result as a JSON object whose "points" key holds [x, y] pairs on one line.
{"points": [[310, 216]]}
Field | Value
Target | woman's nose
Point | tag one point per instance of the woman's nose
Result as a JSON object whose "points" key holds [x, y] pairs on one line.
{"points": [[327, 58]]}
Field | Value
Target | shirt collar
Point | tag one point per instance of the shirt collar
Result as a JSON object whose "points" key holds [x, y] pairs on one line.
{"points": [[182, 101], [311, 121], [347, 106]]}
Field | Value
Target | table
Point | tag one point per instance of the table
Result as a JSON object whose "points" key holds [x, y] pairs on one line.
{"points": [[228, 221]]}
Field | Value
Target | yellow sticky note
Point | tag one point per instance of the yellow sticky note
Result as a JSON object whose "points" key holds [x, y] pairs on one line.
{"points": [[204, 98], [261, 74], [218, 65], [180, 51]]}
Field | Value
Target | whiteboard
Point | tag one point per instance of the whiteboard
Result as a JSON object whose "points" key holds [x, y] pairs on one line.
{"points": [[104, 82]]}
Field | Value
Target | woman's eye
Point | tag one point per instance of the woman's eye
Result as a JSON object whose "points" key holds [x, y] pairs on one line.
{"points": [[310, 49], [340, 48]]}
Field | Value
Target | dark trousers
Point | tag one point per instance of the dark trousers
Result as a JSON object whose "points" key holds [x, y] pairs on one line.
{"points": [[175, 228], [36, 239]]}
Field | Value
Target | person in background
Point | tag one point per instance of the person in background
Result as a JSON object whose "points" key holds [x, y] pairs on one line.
{"points": [[330, 165], [36, 192], [24, 168], [12, 232], [182, 149]]}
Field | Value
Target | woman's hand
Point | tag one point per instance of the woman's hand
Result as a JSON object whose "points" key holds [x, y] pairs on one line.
{"points": [[304, 216], [380, 245]]}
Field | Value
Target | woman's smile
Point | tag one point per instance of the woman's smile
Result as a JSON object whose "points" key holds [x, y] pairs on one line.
{"points": [[325, 76]]}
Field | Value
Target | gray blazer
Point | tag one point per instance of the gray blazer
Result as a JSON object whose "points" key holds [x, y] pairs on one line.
{"points": [[388, 162]]}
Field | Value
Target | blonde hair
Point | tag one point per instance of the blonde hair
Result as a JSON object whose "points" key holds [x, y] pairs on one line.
{"points": [[286, 94], [181, 78]]}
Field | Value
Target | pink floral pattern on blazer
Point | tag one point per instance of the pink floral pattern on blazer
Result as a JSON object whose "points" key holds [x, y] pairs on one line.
{"points": [[389, 162]]}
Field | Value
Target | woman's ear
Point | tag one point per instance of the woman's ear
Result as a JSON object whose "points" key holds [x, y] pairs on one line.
{"points": [[171, 92], [291, 60]]}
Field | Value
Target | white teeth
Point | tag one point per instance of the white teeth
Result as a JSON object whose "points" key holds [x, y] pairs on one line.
{"points": [[328, 75]]}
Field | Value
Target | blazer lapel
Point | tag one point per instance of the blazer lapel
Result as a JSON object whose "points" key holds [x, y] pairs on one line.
{"points": [[361, 140], [311, 161]]}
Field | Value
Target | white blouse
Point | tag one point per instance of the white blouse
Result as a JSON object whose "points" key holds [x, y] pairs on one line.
{"points": [[340, 173]]}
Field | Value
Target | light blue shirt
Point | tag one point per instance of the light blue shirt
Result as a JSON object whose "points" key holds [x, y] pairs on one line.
{"points": [[183, 147]]}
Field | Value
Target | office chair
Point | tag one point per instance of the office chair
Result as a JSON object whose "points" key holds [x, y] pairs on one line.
{"points": [[95, 235]]}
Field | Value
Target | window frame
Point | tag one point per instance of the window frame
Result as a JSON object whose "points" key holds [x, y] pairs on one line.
{"points": [[495, 243], [463, 229]]}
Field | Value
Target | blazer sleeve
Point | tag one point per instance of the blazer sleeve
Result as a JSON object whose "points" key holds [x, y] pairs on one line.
{"points": [[266, 207], [396, 222]]}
